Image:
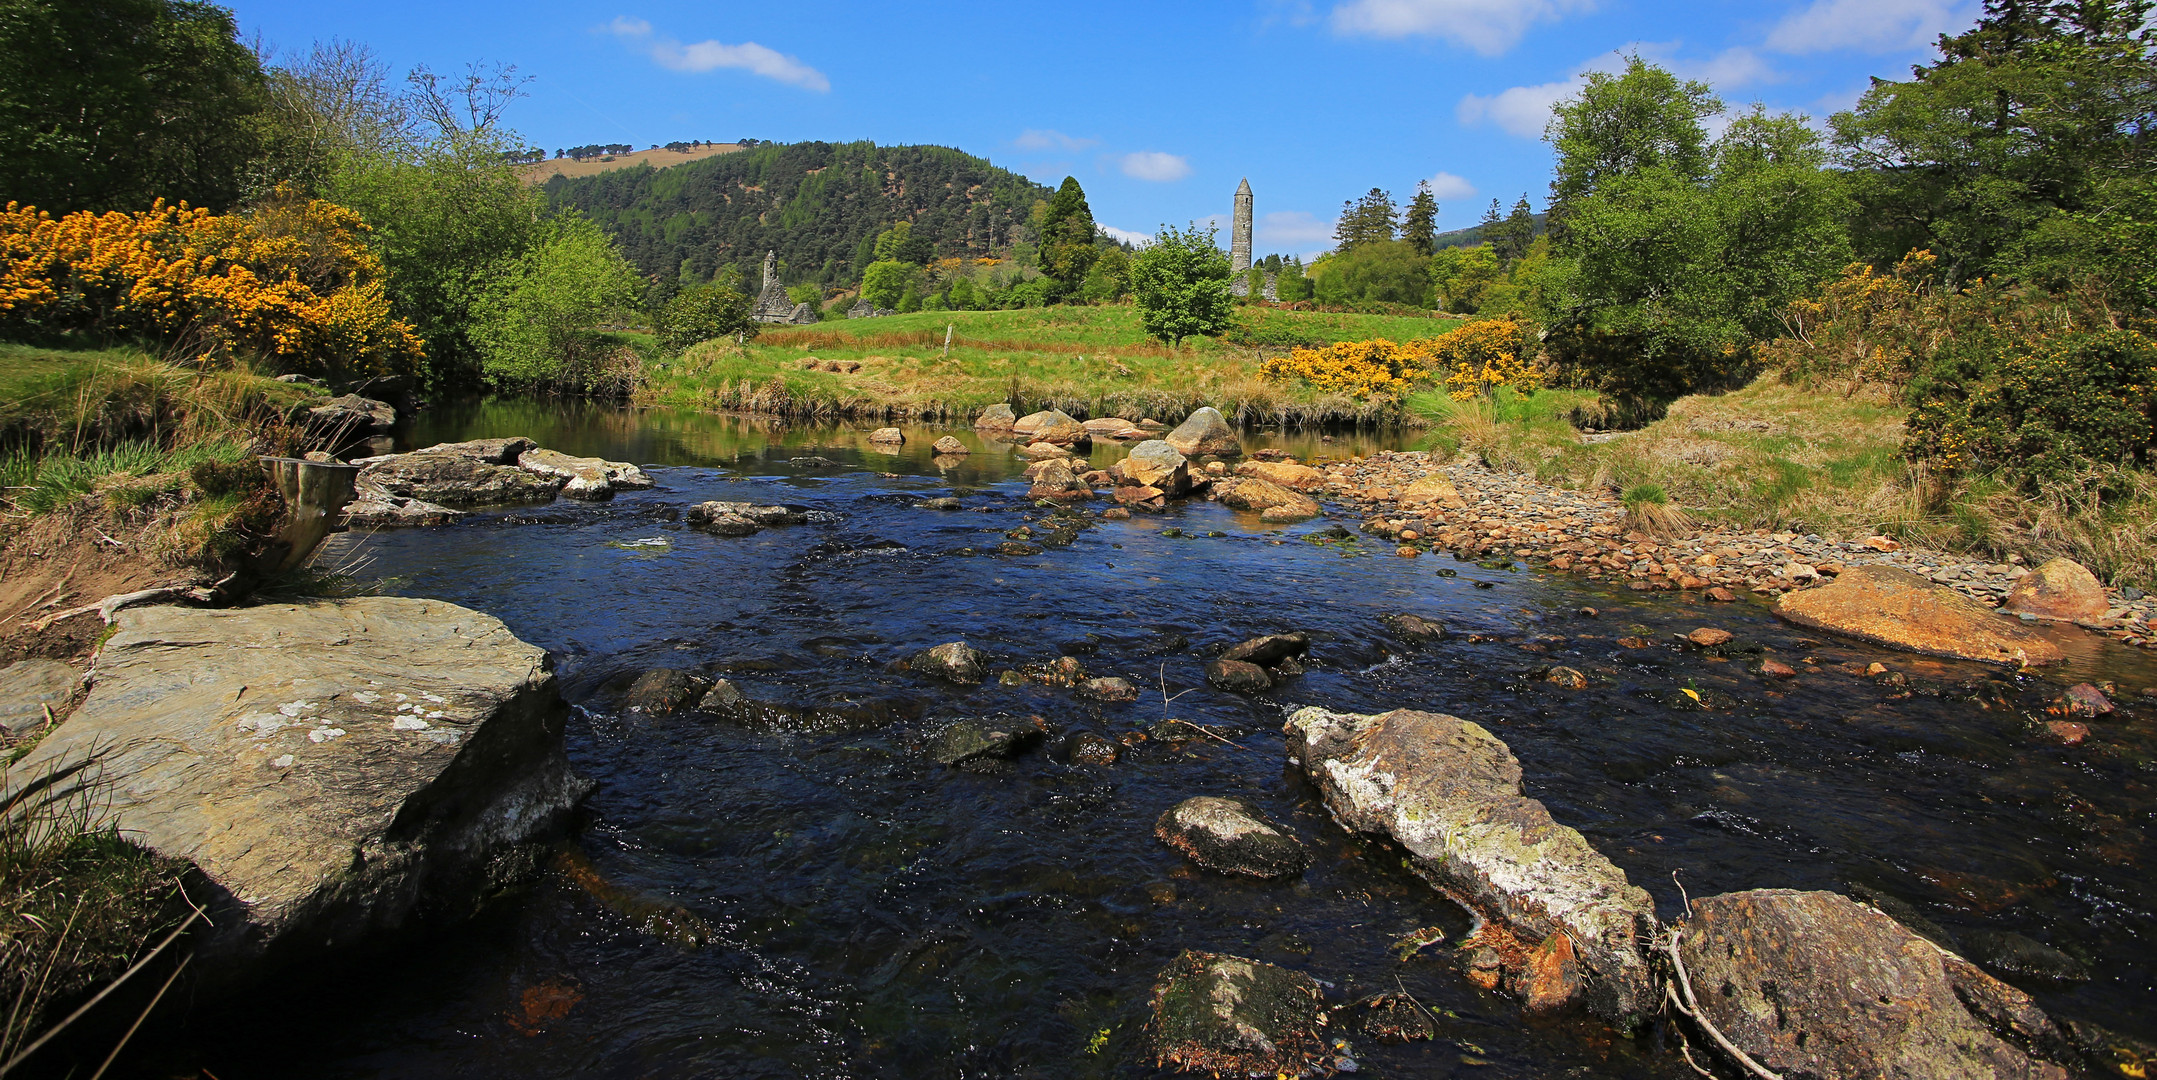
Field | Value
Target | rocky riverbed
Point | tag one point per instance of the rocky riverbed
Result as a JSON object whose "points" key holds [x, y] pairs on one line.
{"points": [[1462, 506]]}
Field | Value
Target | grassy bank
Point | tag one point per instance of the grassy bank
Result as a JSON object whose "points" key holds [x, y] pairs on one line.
{"points": [[1087, 361], [1778, 456]]}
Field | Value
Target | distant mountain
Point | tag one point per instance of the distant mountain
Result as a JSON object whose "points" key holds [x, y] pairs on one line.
{"points": [[819, 205]]}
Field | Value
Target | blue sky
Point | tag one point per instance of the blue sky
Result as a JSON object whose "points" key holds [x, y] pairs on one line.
{"points": [[1158, 108]]}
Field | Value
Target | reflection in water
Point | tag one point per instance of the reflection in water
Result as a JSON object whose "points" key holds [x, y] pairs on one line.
{"points": [[862, 911]]}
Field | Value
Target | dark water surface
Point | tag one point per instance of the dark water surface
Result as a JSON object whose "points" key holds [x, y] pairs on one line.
{"points": [[874, 914]]}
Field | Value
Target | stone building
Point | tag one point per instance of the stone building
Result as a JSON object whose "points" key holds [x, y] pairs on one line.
{"points": [[1239, 242], [772, 303]]}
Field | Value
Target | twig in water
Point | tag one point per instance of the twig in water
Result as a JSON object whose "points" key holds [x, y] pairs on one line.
{"points": [[1690, 1009]]}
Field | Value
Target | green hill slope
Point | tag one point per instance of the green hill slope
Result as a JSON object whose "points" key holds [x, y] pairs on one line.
{"points": [[817, 204]]}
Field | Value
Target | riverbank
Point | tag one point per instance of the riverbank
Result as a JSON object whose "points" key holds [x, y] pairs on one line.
{"points": [[1086, 361], [1480, 512]]}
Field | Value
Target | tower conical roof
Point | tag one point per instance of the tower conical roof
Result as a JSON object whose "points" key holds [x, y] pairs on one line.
{"points": [[1245, 187]]}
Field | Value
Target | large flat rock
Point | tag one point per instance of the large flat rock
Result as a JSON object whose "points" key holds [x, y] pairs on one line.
{"points": [[335, 769], [1901, 610], [1816, 984], [29, 689], [1561, 920]]}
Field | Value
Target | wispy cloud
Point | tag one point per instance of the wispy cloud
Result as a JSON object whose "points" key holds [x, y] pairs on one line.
{"points": [[1154, 165], [1445, 185], [713, 55], [1049, 139], [1873, 26], [1489, 27], [1128, 236], [1525, 110]]}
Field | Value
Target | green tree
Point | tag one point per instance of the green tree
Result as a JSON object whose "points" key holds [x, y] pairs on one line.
{"points": [[1368, 220], [886, 282], [705, 313], [1622, 125], [1511, 237], [1462, 276], [1068, 238], [2002, 156], [1109, 278], [537, 323], [1420, 228], [1180, 282], [111, 104], [1291, 286], [901, 243], [1385, 272]]}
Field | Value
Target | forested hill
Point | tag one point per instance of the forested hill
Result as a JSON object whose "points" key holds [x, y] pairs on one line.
{"points": [[819, 205]]}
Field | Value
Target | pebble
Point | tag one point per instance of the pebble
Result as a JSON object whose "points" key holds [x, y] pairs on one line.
{"points": [[1582, 532]]}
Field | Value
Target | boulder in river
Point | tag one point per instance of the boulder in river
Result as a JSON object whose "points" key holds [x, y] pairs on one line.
{"points": [[1154, 464], [584, 478], [1238, 676], [739, 518], [1413, 628], [1816, 984], [997, 417], [338, 770], [1057, 480], [887, 435], [665, 690], [1205, 432], [1052, 426], [1563, 921], [1108, 688], [1225, 1015], [1269, 650], [949, 446], [1230, 836], [953, 661], [342, 421], [1900, 609], [1043, 451], [941, 502], [1287, 474], [2062, 590], [374, 508], [476, 473], [1252, 493]]}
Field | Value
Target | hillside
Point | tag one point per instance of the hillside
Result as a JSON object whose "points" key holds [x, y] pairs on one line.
{"points": [[817, 204], [658, 158], [1473, 234]]}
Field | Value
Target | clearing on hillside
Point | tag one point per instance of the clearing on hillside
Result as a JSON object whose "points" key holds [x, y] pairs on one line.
{"points": [[658, 158]]}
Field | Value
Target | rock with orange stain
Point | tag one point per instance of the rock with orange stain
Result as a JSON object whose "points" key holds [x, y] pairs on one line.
{"points": [[543, 1004]]}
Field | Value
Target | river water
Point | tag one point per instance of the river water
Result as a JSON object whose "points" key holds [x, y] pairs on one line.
{"points": [[871, 913]]}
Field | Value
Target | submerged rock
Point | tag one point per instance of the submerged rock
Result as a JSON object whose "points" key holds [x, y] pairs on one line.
{"points": [[1226, 1015], [1204, 432], [941, 502], [337, 770], [1230, 836], [965, 741], [1413, 628], [1392, 1018], [953, 661], [664, 690], [2062, 590], [1815, 984], [2010, 953], [1561, 919], [1900, 609]]}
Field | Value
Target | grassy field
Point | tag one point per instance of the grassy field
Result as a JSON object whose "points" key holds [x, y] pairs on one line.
{"points": [[1087, 361]]}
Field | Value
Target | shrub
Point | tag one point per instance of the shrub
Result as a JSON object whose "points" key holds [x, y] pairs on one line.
{"points": [[2047, 407], [1361, 369], [538, 325], [1482, 356], [292, 282]]}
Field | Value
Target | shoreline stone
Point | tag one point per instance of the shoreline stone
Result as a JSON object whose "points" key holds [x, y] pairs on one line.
{"points": [[1898, 609], [339, 771]]}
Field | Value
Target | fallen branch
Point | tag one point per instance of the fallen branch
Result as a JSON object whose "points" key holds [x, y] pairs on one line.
{"points": [[1690, 1009]]}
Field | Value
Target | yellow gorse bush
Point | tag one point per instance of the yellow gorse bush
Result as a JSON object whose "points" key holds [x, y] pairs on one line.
{"points": [[291, 283], [1473, 360]]}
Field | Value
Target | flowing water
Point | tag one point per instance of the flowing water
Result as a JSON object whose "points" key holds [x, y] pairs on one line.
{"points": [[867, 912]]}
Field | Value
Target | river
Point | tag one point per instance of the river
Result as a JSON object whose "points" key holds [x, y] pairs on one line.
{"points": [[875, 914]]}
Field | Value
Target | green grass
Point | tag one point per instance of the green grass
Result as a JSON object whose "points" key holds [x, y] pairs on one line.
{"points": [[1088, 361], [133, 473]]}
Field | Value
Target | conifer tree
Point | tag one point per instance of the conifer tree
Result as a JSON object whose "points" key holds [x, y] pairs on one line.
{"points": [[1067, 237], [1369, 219], [1421, 227]]}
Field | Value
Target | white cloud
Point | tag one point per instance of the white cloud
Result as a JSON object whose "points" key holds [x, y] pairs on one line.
{"points": [[1154, 165], [712, 55], [1445, 185], [1874, 26], [1128, 236], [1291, 230], [1522, 110], [1489, 27], [1049, 139]]}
